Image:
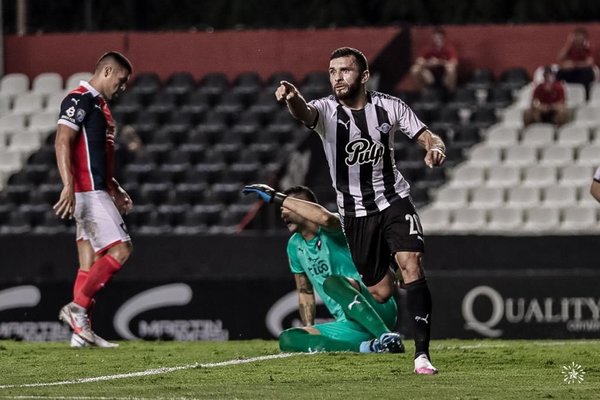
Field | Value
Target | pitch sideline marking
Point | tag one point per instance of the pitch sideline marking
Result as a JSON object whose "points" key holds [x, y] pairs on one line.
{"points": [[154, 371]]}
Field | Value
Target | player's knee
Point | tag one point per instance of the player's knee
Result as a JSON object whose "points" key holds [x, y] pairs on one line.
{"points": [[121, 252], [288, 339]]}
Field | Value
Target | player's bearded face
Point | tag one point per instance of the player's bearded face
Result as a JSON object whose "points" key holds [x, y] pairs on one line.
{"points": [[344, 77]]}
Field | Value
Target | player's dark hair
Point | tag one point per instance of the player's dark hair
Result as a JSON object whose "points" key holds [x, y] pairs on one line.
{"points": [[118, 58], [361, 59], [301, 190]]}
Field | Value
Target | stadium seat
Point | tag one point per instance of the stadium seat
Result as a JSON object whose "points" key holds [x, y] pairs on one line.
{"points": [[16, 225], [13, 84], [505, 219], [573, 135], [538, 134], [27, 103], [210, 214], [451, 198], [539, 176], [501, 136], [180, 83], [481, 78], [145, 84], [556, 155], [585, 197], [522, 197], [191, 192], [503, 176], [12, 122], [575, 175], [520, 156], [486, 197], [9, 161], [588, 155], [468, 219], [214, 85], [467, 176], [25, 142], [558, 196], [541, 219], [579, 218], [484, 156], [575, 95], [483, 117], [43, 123], [512, 117], [74, 79], [499, 97], [47, 83], [434, 219]]}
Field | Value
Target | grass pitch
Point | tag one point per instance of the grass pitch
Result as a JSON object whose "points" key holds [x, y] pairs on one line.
{"points": [[476, 369]]}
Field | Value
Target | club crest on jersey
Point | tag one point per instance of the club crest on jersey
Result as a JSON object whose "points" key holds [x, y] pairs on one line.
{"points": [[362, 151], [80, 115], [384, 128]]}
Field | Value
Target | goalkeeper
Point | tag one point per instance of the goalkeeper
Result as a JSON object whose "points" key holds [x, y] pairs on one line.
{"points": [[321, 261]]}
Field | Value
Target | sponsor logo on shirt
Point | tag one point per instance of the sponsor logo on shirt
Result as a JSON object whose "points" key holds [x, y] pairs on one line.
{"points": [[363, 151]]}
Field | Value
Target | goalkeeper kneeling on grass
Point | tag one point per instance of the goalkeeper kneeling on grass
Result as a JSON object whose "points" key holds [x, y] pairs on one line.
{"points": [[320, 261]]}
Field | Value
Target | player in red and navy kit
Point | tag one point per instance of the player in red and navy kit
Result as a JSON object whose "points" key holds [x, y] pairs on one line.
{"points": [[85, 141], [357, 129], [595, 188]]}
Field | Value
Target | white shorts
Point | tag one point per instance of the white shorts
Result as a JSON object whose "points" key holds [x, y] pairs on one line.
{"points": [[99, 221]]}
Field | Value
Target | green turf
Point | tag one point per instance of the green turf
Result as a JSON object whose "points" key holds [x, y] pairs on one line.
{"points": [[482, 369]]}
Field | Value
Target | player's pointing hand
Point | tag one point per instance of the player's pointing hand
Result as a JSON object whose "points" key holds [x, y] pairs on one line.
{"points": [[285, 91]]}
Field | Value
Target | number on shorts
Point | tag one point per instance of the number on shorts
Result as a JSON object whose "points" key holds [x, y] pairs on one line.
{"points": [[415, 224]]}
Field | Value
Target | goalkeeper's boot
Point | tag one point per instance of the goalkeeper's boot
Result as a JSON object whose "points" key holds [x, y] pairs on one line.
{"points": [[391, 342]]}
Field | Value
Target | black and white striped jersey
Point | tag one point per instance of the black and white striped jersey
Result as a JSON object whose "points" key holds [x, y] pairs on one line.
{"points": [[359, 146]]}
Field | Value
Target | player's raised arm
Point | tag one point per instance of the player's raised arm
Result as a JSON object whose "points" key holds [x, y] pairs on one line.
{"points": [[436, 149], [288, 93], [311, 211], [306, 299]]}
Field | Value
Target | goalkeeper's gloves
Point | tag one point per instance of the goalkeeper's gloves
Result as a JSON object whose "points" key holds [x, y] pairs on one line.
{"points": [[266, 193]]}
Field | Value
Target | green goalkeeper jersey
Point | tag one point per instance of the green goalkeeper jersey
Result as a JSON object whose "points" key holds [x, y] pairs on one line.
{"points": [[324, 255]]}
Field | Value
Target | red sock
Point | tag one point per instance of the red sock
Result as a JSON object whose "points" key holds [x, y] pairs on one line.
{"points": [[79, 281], [100, 273]]}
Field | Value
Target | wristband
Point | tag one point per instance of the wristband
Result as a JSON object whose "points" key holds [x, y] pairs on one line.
{"points": [[278, 198]]}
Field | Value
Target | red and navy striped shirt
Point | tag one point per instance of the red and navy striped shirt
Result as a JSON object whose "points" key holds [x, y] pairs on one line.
{"points": [[92, 154]]}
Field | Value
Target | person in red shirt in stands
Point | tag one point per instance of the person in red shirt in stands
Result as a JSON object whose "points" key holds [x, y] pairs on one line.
{"points": [[548, 103], [576, 61], [437, 65]]}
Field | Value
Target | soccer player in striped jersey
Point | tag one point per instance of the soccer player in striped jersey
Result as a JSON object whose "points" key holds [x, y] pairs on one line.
{"points": [[357, 128], [84, 145], [321, 262]]}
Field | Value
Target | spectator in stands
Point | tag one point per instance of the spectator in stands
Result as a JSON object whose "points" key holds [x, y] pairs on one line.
{"points": [[548, 101], [357, 128], [576, 61], [595, 189], [321, 262], [84, 152], [437, 65]]}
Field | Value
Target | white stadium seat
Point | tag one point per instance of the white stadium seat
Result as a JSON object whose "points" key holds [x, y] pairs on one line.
{"points": [[47, 83], [74, 79], [434, 219], [503, 176], [557, 155], [579, 218], [9, 161], [588, 155], [24, 142], [486, 197], [27, 103], [13, 84], [467, 176], [505, 219], [483, 155], [589, 113], [451, 198], [11, 123], [539, 176], [573, 135], [522, 197], [586, 198], [575, 94], [575, 175], [468, 219], [512, 117], [502, 136], [538, 134], [541, 219], [559, 196], [54, 100], [520, 156]]}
